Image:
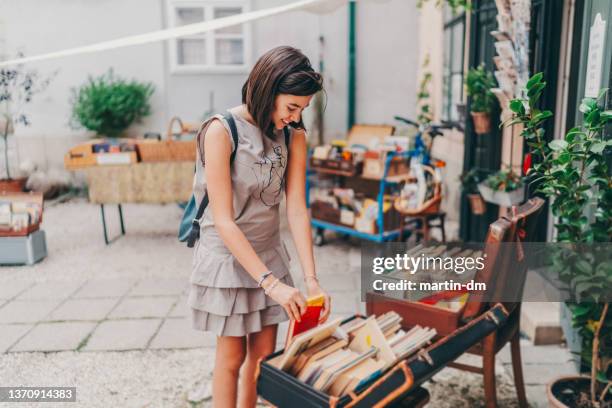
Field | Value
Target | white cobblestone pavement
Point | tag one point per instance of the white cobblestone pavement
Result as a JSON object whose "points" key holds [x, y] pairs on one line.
{"points": [[112, 320]]}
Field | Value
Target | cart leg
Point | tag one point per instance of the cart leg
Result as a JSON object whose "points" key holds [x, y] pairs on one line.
{"points": [[104, 224], [121, 219], [319, 239], [104, 228]]}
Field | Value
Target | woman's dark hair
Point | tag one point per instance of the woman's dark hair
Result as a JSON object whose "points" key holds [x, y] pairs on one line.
{"points": [[282, 70]]}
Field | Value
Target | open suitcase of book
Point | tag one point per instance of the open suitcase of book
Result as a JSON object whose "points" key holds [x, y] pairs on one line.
{"points": [[399, 385]]}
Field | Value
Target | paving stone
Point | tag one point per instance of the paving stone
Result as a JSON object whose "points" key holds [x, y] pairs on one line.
{"points": [[122, 334], [143, 307], [157, 286], [51, 290], [537, 354], [541, 374], [178, 333], [107, 288], [540, 321], [180, 309], [26, 311], [345, 302], [8, 290], [83, 309], [10, 334], [341, 282], [536, 396], [55, 336]]}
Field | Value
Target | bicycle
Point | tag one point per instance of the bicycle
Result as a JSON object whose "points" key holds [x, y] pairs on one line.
{"points": [[421, 151]]}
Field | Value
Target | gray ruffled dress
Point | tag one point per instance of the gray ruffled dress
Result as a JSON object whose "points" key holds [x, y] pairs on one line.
{"points": [[224, 298]]}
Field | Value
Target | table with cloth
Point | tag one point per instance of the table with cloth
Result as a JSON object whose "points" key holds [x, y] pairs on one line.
{"points": [[145, 183]]}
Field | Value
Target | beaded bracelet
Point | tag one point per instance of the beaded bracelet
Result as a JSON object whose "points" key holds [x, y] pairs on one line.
{"points": [[263, 278], [311, 277], [272, 285]]}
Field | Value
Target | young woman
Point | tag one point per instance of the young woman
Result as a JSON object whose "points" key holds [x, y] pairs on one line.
{"points": [[241, 287]]}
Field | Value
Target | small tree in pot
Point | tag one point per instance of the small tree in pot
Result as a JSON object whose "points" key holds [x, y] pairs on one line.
{"points": [[17, 89], [573, 172], [478, 84], [108, 105]]}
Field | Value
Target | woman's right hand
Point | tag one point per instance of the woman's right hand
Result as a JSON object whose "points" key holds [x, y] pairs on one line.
{"points": [[291, 299]]}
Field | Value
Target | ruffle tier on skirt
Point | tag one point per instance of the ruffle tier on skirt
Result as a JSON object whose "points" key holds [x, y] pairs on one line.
{"points": [[225, 300]]}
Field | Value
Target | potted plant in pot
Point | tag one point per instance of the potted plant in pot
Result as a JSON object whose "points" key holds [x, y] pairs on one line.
{"points": [[504, 188], [469, 184], [574, 173], [17, 89], [478, 85], [108, 105]]}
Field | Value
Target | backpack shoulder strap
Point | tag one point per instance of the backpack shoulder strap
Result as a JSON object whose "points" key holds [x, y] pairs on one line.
{"points": [[234, 132]]}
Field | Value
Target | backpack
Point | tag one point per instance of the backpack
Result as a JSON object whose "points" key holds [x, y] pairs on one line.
{"points": [[189, 228]]}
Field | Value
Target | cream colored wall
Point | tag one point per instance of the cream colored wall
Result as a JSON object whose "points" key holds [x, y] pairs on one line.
{"points": [[449, 147]]}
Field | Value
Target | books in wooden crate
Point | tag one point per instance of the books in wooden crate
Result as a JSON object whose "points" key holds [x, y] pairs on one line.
{"points": [[350, 161], [400, 382], [20, 213], [335, 358], [101, 152]]}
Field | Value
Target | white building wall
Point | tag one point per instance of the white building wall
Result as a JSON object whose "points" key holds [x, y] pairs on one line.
{"points": [[387, 52], [35, 27], [387, 60]]}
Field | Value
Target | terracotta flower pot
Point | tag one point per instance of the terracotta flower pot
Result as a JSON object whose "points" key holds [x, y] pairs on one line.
{"points": [[564, 390], [477, 204], [12, 185], [482, 122]]}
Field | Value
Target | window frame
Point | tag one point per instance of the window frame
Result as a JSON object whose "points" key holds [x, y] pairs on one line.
{"points": [[209, 37], [448, 73]]}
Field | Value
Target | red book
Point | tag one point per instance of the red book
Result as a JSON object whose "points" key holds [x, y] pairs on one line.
{"points": [[310, 318]]}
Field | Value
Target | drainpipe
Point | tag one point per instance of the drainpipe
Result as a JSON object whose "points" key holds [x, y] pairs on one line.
{"points": [[351, 63]]}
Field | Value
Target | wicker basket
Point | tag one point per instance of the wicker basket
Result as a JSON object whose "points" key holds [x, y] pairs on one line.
{"points": [[430, 206], [180, 150], [169, 149], [153, 151]]}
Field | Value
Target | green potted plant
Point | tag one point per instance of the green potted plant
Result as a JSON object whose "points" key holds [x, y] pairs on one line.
{"points": [[108, 105], [478, 85], [17, 89], [504, 188], [573, 172], [469, 185]]}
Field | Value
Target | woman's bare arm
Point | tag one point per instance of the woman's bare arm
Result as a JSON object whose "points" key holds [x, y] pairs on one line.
{"points": [[298, 217]]}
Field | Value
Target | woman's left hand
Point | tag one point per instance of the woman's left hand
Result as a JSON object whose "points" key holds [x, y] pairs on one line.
{"points": [[313, 288]]}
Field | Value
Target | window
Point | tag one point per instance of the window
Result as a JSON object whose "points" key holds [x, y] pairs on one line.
{"points": [[224, 50], [452, 83]]}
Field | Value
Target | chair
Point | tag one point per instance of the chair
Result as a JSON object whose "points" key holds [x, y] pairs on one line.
{"points": [[504, 269]]}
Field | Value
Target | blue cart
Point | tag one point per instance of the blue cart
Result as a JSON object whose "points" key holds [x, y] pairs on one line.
{"points": [[381, 236]]}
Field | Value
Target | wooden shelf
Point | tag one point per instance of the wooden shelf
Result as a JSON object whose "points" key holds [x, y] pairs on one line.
{"points": [[333, 172], [394, 179]]}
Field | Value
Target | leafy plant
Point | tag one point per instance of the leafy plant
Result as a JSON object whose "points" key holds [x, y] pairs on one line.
{"points": [[504, 180], [573, 172], [17, 89], [425, 115], [453, 4], [108, 104], [479, 83], [470, 180]]}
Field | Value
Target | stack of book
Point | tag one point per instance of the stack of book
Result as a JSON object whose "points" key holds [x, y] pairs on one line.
{"points": [[336, 357], [20, 213]]}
